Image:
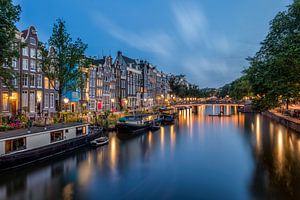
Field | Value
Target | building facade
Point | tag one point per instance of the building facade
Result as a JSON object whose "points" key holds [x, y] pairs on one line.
{"points": [[34, 94]]}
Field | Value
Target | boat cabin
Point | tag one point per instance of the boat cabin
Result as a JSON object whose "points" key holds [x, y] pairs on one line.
{"points": [[21, 140]]}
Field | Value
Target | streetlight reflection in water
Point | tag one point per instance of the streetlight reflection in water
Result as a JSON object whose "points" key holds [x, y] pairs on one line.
{"points": [[264, 155]]}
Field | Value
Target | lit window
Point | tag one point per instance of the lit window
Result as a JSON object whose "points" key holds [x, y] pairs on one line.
{"points": [[80, 131], [46, 83], [15, 145], [5, 101], [56, 136]]}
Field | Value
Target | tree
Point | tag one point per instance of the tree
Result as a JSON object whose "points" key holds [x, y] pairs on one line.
{"points": [[274, 72], [9, 15], [63, 60], [240, 88]]}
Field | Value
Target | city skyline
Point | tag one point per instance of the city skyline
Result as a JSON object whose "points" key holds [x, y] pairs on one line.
{"points": [[212, 56]]}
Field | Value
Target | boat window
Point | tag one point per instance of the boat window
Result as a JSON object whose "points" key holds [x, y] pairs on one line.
{"points": [[15, 145], [56, 136], [80, 131]]}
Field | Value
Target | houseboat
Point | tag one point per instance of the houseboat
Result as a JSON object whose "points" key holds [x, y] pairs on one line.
{"points": [[23, 146], [168, 115], [134, 124]]}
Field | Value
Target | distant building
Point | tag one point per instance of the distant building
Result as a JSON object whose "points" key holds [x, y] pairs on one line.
{"points": [[130, 80]]}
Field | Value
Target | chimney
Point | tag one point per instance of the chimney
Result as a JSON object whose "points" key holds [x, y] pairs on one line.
{"points": [[119, 53]]}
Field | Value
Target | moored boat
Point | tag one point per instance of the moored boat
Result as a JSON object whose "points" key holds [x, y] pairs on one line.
{"points": [[134, 124], [99, 141], [21, 147], [168, 115]]}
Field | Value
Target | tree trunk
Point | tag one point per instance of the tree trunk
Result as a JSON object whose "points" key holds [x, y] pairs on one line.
{"points": [[287, 104]]}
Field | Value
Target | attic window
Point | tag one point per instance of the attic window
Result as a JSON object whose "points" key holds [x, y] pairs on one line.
{"points": [[32, 41]]}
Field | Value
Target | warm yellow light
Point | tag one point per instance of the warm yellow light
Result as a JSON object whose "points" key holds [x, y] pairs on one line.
{"points": [[66, 100], [112, 100]]}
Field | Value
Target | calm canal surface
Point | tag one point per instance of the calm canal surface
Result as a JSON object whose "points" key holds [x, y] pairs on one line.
{"points": [[245, 156]]}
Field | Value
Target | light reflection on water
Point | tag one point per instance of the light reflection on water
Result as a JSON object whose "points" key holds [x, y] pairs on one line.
{"points": [[196, 157]]}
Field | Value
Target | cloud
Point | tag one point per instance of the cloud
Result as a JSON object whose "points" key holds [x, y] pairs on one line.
{"points": [[190, 21], [192, 47], [156, 42]]}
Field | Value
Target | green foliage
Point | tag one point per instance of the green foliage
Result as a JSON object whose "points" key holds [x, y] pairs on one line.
{"points": [[274, 71], [9, 15], [64, 60], [181, 88], [240, 88]]}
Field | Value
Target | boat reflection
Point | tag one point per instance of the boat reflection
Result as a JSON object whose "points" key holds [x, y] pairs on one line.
{"points": [[138, 162]]}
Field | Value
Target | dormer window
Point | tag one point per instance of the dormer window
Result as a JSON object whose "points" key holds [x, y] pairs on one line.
{"points": [[32, 41]]}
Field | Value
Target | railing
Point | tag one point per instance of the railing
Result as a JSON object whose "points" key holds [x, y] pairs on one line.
{"points": [[185, 103]]}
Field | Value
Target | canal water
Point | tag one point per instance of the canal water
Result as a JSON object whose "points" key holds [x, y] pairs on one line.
{"points": [[245, 156]]}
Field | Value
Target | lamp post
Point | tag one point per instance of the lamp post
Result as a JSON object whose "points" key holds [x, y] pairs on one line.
{"points": [[66, 101], [112, 104], [125, 102]]}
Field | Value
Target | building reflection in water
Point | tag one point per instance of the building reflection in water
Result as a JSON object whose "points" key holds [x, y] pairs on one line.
{"points": [[274, 150]]}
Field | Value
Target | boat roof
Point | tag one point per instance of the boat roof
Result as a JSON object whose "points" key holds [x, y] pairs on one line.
{"points": [[35, 129]]}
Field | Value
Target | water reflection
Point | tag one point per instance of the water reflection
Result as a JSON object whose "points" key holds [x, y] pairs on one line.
{"points": [[196, 157]]}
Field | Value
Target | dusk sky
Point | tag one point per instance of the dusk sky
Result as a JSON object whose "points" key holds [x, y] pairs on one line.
{"points": [[206, 40]]}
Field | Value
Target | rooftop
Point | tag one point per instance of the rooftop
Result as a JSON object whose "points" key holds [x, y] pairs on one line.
{"points": [[23, 132]]}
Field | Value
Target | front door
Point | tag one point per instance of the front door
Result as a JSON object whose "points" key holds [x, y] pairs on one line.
{"points": [[13, 107]]}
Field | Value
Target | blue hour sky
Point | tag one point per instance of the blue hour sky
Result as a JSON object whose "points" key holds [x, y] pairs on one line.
{"points": [[206, 40]]}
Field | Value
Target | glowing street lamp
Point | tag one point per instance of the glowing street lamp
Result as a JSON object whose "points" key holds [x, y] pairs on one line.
{"points": [[66, 100], [112, 104]]}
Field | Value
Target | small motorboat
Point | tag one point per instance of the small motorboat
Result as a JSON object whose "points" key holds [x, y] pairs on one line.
{"points": [[99, 141]]}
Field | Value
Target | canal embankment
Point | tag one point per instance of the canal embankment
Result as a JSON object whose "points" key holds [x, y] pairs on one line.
{"points": [[290, 122]]}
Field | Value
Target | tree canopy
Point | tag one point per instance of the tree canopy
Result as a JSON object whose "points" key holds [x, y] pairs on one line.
{"points": [[9, 15], [62, 60], [274, 72]]}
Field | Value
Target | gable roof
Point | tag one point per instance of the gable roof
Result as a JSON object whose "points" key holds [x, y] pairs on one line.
{"points": [[99, 61], [129, 60]]}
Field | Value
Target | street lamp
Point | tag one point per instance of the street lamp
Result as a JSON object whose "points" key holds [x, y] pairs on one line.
{"points": [[66, 101], [112, 104]]}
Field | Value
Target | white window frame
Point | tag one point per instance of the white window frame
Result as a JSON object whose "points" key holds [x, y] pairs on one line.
{"points": [[23, 75], [46, 100], [39, 80], [25, 51], [32, 65], [25, 64], [52, 100]]}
